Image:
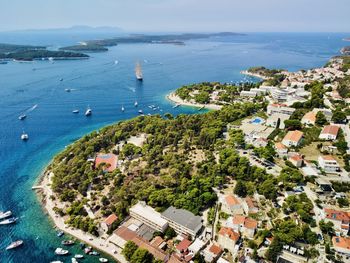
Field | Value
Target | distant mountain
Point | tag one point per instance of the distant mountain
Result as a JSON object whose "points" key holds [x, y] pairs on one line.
{"points": [[75, 30]]}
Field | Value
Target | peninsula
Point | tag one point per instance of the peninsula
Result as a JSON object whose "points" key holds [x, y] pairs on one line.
{"points": [[29, 53], [264, 176]]}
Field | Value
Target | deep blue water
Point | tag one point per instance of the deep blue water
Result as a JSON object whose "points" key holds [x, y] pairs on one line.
{"points": [[106, 86]]}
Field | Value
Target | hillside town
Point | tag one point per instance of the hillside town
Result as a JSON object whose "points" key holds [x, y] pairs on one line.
{"points": [[300, 139]]}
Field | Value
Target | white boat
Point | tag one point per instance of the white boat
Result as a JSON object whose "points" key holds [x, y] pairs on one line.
{"points": [[88, 112], [140, 112], [78, 256], [24, 136], [75, 111], [22, 117], [123, 109], [15, 244], [11, 220], [136, 104], [60, 251], [67, 90], [103, 260], [116, 62], [56, 261], [74, 260], [138, 72], [3, 215], [176, 105]]}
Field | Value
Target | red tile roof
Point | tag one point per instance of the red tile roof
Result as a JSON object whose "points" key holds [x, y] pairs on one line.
{"points": [[215, 249], [228, 232], [183, 245], [337, 215], [341, 242], [244, 221], [231, 200], [294, 136], [330, 129], [109, 159], [111, 219]]}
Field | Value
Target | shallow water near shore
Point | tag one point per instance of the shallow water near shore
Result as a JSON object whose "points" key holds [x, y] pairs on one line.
{"points": [[106, 86]]}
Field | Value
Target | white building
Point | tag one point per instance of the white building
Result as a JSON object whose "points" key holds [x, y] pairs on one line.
{"points": [[341, 244], [148, 216], [328, 164], [277, 118], [279, 109], [248, 93], [329, 132]]}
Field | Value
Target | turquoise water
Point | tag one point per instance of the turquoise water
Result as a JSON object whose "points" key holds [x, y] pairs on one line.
{"points": [[106, 86]]}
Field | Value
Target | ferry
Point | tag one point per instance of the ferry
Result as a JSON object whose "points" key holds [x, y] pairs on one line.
{"points": [[138, 72], [103, 260], [11, 220], [24, 136], [6, 214], [22, 117], [61, 252], [88, 112], [15, 244]]}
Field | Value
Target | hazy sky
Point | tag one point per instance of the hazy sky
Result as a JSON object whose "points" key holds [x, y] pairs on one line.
{"points": [[179, 15]]}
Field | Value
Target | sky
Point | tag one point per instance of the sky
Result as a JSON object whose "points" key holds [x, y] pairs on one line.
{"points": [[180, 15]]}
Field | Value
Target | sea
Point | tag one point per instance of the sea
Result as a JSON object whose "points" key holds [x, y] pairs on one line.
{"points": [[106, 82]]}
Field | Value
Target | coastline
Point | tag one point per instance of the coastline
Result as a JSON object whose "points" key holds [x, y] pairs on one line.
{"points": [[44, 191], [176, 99], [256, 75]]}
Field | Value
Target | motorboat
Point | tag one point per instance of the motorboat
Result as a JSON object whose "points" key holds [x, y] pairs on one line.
{"points": [[67, 242], [140, 112], [87, 250], [136, 104], [61, 252], [88, 112], [78, 256], [75, 111], [103, 260], [11, 220], [15, 244], [22, 117], [94, 253], [60, 233], [24, 136], [74, 260], [6, 214]]}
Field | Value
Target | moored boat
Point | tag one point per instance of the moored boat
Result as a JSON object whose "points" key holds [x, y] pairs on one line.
{"points": [[103, 260], [11, 220], [94, 253], [15, 244], [61, 252], [136, 104], [24, 136], [140, 112], [75, 111], [67, 242], [60, 233], [6, 214], [78, 256], [87, 250], [74, 260]]}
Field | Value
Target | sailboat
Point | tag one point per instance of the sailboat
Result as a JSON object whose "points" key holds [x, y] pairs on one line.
{"points": [[138, 71]]}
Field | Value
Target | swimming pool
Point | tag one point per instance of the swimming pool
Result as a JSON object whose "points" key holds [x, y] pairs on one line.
{"points": [[257, 120]]}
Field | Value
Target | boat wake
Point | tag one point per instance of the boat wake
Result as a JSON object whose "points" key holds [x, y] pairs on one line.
{"points": [[132, 89], [32, 108]]}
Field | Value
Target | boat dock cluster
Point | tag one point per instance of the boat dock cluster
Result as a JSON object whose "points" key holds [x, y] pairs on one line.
{"points": [[7, 219]]}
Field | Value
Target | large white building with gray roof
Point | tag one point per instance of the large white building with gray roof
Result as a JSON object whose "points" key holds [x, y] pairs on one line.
{"points": [[183, 221]]}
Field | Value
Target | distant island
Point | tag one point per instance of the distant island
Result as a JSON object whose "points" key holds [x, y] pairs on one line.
{"points": [[29, 53], [347, 39], [175, 39]]}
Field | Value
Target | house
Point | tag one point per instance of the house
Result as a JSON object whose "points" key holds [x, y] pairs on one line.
{"points": [[148, 216], [293, 138], [108, 161], [183, 221], [279, 109], [196, 246], [183, 246], [328, 164], [243, 224], [329, 132], [327, 113], [341, 244], [108, 222], [250, 206], [340, 219], [227, 238], [158, 242], [233, 204], [296, 160], [309, 118], [276, 120], [211, 253], [248, 93], [281, 149]]}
